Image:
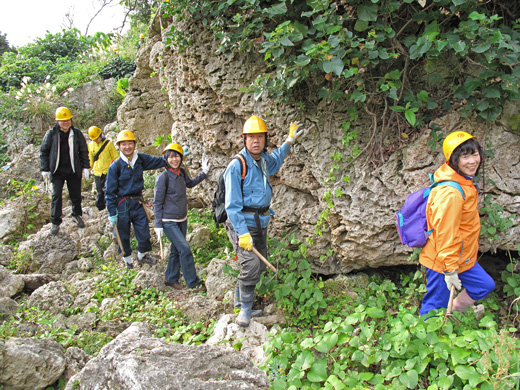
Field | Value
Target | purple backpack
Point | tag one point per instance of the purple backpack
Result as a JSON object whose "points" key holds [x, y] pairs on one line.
{"points": [[411, 219]]}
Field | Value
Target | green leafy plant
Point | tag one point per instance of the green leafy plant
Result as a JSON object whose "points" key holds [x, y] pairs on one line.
{"points": [[494, 220]]}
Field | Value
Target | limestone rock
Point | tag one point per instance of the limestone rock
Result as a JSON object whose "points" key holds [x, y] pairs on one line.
{"points": [[8, 306], [75, 359], [30, 363], [49, 253], [218, 282], [10, 283], [199, 236], [34, 281], [135, 360], [201, 308], [250, 339], [6, 254], [52, 297]]}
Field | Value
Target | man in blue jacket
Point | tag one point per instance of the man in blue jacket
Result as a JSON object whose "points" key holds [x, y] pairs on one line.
{"points": [[63, 156], [125, 205], [247, 207]]}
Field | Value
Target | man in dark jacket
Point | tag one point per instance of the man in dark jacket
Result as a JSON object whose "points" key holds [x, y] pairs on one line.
{"points": [[63, 155]]}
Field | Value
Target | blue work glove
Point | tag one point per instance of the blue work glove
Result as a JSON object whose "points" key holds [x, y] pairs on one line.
{"points": [[186, 150], [112, 219]]}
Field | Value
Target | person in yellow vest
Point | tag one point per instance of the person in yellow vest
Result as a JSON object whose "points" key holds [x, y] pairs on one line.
{"points": [[101, 153]]}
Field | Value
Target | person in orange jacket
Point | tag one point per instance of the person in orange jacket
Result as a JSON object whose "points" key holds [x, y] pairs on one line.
{"points": [[450, 255]]}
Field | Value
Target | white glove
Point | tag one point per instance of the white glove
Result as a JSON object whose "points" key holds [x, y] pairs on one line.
{"points": [[186, 150], [46, 175], [294, 133], [86, 173], [206, 165], [159, 232], [452, 279]]}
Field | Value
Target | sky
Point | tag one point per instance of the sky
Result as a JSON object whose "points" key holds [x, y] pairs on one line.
{"points": [[25, 20]]}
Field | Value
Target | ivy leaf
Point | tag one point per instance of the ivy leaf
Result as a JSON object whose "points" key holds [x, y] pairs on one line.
{"points": [[491, 92], [360, 25], [304, 360], [275, 10], [410, 379], [410, 117], [286, 41], [422, 96], [318, 371], [367, 13], [464, 372], [481, 48], [302, 60], [328, 341], [324, 93], [335, 65], [375, 312]]}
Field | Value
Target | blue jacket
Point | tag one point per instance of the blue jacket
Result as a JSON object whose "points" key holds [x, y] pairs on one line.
{"points": [[257, 190], [172, 203], [130, 181]]}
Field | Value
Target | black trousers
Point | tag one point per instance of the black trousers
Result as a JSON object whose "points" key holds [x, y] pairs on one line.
{"points": [[100, 188], [74, 186]]}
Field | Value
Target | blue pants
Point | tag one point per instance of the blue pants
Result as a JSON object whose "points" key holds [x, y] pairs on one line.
{"points": [[180, 255], [475, 280], [130, 211]]}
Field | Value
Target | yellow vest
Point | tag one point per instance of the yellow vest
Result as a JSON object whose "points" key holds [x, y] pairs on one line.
{"points": [[104, 160]]}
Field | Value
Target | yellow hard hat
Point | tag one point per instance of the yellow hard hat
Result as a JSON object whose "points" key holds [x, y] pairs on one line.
{"points": [[142, 36], [94, 132], [125, 135], [175, 147], [63, 114], [254, 125], [452, 141]]}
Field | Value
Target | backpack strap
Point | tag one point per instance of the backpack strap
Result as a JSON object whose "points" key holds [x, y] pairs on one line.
{"points": [[243, 169], [96, 156], [449, 183]]}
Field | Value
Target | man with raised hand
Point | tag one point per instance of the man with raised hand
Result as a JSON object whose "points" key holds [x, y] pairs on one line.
{"points": [[247, 207]]}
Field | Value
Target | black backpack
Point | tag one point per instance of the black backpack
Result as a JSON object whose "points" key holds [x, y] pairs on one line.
{"points": [[219, 198]]}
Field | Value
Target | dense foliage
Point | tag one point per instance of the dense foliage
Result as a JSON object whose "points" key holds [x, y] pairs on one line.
{"points": [[404, 62], [48, 57]]}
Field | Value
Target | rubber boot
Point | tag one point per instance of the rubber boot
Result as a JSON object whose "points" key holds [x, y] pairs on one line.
{"points": [[254, 313], [247, 294], [463, 301]]}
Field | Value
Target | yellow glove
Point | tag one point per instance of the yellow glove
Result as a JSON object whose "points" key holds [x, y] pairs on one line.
{"points": [[294, 133], [245, 241]]}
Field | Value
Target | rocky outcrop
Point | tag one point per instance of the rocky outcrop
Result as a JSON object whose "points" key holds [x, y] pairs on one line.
{"points": [[10, 283], [135, 360], [208, 108], [30, 363], [52, 297]]}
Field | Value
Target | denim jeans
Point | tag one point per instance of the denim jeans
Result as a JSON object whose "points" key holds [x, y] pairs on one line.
{"points": [[180, 255]]}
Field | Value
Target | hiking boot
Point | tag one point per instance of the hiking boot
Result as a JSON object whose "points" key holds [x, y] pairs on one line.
{"points": [[147, 259], [55, 229], [79, 221], [129, 265], [175, 285], [198, 288]]}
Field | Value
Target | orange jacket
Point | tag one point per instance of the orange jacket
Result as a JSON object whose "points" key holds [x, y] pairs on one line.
{"points": [[453, 245]]}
